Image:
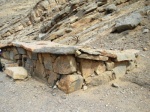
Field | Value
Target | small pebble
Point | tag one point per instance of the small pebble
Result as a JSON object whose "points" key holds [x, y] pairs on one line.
{"points": [[115, 85], [145, 30], [145, 49], [54, 87], [85, 88]]}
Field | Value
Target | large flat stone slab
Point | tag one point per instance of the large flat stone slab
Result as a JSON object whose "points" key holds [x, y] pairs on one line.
{"points": [[16, 72], [46, 47]]}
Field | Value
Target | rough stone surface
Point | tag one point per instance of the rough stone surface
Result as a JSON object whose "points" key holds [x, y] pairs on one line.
{"points": [[120, 69], [21, 50], [110, 8], [47, 61], [40, 71], [16, 72], [110, 65], [91, 57], [52, 77], [65, 65], [99, 80], [88, 67], [70, 83], [127, 23]]}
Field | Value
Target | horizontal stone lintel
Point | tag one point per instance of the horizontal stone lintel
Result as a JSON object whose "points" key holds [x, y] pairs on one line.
{"points": [[85, 53]]}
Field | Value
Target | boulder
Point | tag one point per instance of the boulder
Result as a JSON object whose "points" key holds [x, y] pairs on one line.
{"points": [[16, 72], [70, 83], [128, 22], [65, 65]]}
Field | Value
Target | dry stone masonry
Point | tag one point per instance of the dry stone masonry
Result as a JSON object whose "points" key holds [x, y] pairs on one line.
{"points": [[51, 42], [68, 67]]}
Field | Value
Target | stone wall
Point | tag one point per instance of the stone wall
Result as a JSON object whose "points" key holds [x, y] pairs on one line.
{"points": [[70, 67]]}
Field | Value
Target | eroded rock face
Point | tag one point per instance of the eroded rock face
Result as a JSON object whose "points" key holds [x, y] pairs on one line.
{"points": [[16, 72], [65, 65], [70, 83]]}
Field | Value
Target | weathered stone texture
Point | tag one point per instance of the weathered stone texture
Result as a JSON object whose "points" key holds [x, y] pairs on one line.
{"points": [[39, 70], [16, 72], [88, 67], [65, 65], [70, 83]]}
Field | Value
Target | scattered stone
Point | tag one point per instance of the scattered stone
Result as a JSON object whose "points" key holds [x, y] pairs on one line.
{"points": [[115, 85], [54, 87], [63, 96], [16, 72], [85, 88], [145, 49], [54, 94], [70, 83], [145, 30]]}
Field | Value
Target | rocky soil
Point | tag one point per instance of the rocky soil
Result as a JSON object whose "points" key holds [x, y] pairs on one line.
{"points": [[133, 93]]}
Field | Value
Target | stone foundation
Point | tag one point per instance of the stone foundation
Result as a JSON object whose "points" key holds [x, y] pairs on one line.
{"points": [[70, 67]]}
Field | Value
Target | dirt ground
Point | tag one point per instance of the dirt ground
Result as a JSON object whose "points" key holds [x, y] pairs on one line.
{"points": [[33, 96], [133, 94]]}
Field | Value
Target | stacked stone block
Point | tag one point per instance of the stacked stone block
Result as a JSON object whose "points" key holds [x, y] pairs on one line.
{"points": [[71, 71]]}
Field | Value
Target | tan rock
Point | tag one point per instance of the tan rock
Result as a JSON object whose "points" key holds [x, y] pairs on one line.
{"points": [[92, 57], [17, 56], [65, 65], [99, 80], [100, 67], [40, 58], [110, 65], [15, 51], [16, 72], [39, 70], [18, 28], [88, 67], [6, 54], [48, 61], [70, 83]]}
